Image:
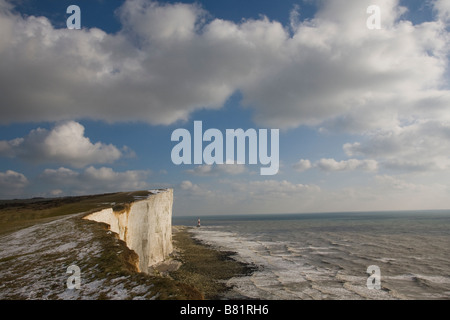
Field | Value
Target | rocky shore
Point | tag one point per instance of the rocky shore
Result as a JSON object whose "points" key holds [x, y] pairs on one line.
{"points": [[205, 268]]}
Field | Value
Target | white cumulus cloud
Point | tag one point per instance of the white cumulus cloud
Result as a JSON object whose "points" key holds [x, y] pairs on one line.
{"points": [[302, 165], [419, 146], [65, 144], [192, 189], [214, 170], [12, 183], [330, 165], [275, 188], [330, 70], [93, 180], [347, 165]]}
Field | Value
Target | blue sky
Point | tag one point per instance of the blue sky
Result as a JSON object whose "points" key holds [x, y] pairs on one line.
{"points": [[363, 114]]}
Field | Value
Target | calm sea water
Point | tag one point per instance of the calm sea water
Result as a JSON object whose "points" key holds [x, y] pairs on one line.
{"points": [[326, 256]]}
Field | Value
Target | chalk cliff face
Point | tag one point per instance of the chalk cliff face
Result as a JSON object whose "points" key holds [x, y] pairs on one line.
{"points": [[145, 226]]}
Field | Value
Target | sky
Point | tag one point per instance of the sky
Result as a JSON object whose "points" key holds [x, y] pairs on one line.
{"points": [[363, 113]]}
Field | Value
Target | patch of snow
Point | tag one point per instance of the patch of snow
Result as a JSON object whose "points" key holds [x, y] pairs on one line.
{"points": [[34, 262]]}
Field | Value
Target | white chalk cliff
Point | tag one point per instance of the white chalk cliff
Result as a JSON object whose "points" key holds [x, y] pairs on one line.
{"points": [[145, 225]]}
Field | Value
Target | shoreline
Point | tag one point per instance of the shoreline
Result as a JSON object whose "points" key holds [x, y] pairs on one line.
{"points": [[205, 268]]}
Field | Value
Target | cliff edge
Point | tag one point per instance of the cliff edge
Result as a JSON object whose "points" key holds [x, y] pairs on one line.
{"points": [[145, 225]]}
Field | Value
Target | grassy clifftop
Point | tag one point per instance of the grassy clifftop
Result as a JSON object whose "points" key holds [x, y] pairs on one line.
{"points": [[17, 214]]}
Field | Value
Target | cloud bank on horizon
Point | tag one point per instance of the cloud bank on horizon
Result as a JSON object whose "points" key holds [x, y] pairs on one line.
{"points": [[388, 90]]}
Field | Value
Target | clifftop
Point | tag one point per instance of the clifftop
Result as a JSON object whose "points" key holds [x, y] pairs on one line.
{"points": [[19, 213]]}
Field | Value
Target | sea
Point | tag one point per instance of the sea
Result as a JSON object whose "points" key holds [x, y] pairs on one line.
{"points": [[334, 256]]}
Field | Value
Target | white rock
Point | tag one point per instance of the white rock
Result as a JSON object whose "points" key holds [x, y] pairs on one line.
{"points": [[146, 227]]}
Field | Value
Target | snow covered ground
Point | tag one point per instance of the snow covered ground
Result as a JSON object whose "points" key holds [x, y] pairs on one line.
{"points": [[34, 262]]}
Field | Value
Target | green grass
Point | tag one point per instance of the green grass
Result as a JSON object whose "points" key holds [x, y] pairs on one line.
{"points": [[17, 214]]}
